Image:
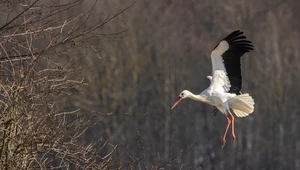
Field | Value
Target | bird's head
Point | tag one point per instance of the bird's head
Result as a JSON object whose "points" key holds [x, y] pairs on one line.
{"points": [[182, 95]]}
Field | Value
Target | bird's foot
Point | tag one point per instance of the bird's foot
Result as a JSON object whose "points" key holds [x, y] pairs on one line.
{"points": [[223, 143], [233, 137]]}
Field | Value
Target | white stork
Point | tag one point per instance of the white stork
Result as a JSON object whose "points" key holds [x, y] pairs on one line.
{"points": [[226, 81]]}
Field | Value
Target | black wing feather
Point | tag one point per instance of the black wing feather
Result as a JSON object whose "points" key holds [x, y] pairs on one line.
{"points": [[238, 45], [215, 111], [234, 34]]}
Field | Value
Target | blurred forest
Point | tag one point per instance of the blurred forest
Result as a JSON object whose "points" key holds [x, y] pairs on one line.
{"points": [[155, 49]]}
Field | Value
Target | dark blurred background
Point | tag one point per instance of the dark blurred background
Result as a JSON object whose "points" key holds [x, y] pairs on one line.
{"points": [[162, 48]]}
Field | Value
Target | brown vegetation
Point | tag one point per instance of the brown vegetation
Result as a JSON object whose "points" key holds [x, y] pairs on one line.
{"points": [[42, 47]]}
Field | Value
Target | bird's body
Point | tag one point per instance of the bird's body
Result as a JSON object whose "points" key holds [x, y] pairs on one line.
{"points": [[226, 81]]}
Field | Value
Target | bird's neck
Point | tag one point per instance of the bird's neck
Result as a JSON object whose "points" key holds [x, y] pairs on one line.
{"points": [[197, 97]]}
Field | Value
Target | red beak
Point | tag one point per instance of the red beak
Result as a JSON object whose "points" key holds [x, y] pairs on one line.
{"points": [[177, 101]]}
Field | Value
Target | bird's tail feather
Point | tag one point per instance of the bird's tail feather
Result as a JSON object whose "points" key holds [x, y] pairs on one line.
{"points": [[242, 105]]}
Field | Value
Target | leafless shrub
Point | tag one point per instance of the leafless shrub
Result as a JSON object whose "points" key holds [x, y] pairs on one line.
{"points": [[39, 67]]}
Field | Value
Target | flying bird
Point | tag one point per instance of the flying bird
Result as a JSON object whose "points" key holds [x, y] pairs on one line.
{"points": [[224, 91]]}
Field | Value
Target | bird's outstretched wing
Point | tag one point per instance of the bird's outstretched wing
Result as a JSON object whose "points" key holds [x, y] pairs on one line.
{"points": [[226, 61]]}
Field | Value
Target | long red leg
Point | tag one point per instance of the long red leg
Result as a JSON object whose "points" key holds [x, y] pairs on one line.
{"points": [[228, 123], [232, 127]]}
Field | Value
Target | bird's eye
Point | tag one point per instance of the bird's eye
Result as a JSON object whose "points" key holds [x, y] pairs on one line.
{"points": [[182, 94]]}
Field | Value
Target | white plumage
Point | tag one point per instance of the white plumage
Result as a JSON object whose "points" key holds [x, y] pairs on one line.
{"points": [[226, 81]]}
